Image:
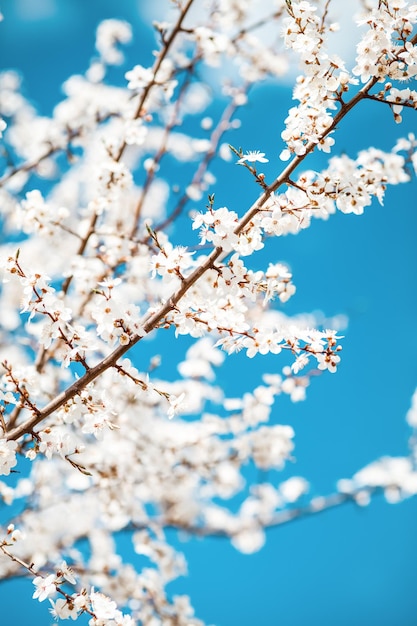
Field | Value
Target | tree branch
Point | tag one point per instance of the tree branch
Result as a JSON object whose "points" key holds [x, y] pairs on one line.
{"points": [[153, 320]]}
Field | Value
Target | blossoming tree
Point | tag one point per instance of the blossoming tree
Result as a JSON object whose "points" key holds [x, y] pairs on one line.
{"points": [[108, 243]]}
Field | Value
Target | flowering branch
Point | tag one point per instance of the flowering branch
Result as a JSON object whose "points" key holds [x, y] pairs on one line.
{"points": [[153, 320]]}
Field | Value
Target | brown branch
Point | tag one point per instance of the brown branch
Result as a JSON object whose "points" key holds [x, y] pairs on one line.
{"points": [[391, 103], [153, 320], [29, 567], [161, 56]]}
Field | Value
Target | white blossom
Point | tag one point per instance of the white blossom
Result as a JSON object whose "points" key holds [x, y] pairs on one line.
{"points": [[253, 156], [8, 458], [103, 607], [45, 587], [109, 33], [139, 77], [62, 609]]}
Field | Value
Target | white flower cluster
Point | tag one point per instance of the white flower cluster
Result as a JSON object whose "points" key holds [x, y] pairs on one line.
{"points": [[325, 77], [172, 261], [141, 78], [401, 98], [396, 476], [36, 215], [231, 301], [7, 456], [38, 297], [109, 34], [384, 50], [220, 227], [115, 320], [348, 185], [104, 611]]}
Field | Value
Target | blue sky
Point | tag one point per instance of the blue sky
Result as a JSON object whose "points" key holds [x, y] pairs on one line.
{"points": [[347, 566]]}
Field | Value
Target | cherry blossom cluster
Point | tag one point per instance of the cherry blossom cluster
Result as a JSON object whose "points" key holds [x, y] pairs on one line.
{"points": [[386, 50], [7, 456], [323, 82], [348, 185], [102, 609]]}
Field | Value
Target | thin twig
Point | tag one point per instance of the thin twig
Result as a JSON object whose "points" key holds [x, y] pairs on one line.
{"points": [[215, 137]]}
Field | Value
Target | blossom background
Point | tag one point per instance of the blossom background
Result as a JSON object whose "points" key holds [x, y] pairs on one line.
{"points": [[351, 565]]}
